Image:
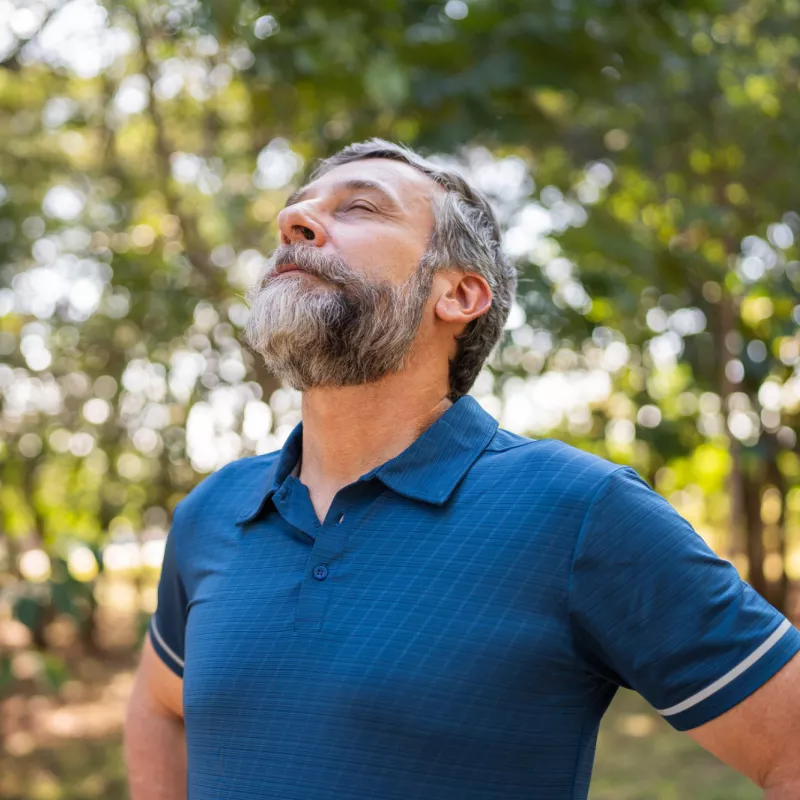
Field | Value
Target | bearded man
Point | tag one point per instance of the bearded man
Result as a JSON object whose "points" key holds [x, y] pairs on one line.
{"points": [[406, 601]]}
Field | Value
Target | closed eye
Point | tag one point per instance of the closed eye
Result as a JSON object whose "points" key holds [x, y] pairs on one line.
{"points": [[362, 206]]}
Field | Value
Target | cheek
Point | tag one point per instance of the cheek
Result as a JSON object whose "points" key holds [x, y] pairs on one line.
{"points": [[380, 252]]}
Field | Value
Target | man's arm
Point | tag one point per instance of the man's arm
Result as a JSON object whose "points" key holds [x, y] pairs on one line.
{"points": [[655, 609], [760, 737], [155, 739]]}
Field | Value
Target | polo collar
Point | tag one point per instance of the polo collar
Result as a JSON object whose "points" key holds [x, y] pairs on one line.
{"points": [[274, 476], [429, 469]]}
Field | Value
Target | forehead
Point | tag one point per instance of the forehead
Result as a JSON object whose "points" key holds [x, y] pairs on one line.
{"points": [[406, 183]]}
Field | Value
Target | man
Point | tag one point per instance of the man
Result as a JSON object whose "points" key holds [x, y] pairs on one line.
{"points": [[406, 601]]}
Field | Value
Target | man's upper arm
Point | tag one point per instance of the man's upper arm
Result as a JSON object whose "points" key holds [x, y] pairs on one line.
{"points": [[654, 609], [759, 737], [168, 624], [157, 686]]}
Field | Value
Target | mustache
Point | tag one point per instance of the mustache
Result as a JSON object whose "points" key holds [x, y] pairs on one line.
{"points": [[332, 268]]}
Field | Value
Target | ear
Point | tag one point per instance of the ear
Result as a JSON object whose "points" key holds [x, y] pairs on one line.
{"points": [[466, 297]]}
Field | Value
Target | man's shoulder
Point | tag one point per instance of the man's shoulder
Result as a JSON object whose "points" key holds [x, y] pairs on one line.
{"points": [[546, 485], [547, 458], [231, 486]]}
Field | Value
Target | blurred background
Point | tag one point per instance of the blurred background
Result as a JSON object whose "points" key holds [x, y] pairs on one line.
{"points": [[642, 158]]}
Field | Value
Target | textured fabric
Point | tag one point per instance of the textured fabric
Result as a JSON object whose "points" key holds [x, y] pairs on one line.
{"points": [[456, 627]]}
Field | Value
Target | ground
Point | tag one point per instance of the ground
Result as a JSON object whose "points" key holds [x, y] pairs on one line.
{"points": [[67, 747]]}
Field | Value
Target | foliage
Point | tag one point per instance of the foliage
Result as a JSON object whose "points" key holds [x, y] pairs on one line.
{"points": [[639, 153], [639, 757]]}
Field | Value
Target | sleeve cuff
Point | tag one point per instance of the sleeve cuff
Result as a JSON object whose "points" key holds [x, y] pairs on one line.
{"points": [[165, 652], [738, 683]]}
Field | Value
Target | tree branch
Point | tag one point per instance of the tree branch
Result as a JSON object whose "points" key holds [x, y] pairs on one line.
{"points": [[11, 61], [195, 249]]}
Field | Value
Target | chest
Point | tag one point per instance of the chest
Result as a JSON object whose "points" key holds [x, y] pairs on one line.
{"points": [[388, 615]]}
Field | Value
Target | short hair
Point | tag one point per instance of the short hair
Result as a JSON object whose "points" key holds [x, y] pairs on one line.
{"points": [[466, 235]]}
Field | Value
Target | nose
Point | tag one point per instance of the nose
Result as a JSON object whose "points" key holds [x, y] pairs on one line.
{"points": [[297, 223]]}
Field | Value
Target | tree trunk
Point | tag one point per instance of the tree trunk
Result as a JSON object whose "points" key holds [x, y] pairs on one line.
{"points": [[752, 486], [780, 592], [738, 534], [88, 628]]}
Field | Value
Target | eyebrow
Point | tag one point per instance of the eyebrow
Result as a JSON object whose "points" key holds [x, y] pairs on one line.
{"points": [[352, 185]]}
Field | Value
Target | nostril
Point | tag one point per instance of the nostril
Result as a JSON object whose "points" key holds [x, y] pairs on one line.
{"points": [[307, 232]]}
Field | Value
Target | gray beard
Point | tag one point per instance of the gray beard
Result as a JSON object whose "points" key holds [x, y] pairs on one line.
{"points": [[345, 332]]}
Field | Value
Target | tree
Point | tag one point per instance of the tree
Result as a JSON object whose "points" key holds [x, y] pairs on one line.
{"points": [[637, 153]]}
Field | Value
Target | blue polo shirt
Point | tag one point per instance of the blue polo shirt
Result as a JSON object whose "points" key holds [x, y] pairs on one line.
{"points": [[456, 627]]}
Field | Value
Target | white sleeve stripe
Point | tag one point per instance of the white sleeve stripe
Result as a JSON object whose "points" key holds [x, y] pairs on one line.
{"points": [[731, 675], [170, 652]]}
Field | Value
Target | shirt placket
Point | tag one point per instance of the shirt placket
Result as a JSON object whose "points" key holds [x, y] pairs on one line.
{"points": [[330, 540]]}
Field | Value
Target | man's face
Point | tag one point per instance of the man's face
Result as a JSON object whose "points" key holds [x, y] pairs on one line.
{"points": [[343, 297]]}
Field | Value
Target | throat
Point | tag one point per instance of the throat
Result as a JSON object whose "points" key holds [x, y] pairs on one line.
{"points": [[321, 497], [321, 503]]}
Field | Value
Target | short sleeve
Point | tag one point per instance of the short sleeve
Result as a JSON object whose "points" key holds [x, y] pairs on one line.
{"points": [[168, 624], [654, 609]]}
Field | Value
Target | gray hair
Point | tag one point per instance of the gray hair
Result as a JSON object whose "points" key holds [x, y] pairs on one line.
{"points": [[466, 235]]}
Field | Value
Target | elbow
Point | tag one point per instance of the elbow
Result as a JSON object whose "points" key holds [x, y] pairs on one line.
{"points": [[782, 782]]}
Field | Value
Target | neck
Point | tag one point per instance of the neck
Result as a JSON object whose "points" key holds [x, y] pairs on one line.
{"points": [[349, 430]]}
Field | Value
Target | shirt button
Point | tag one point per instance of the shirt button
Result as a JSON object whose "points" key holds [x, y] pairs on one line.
{"points": [[320, 572]]}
